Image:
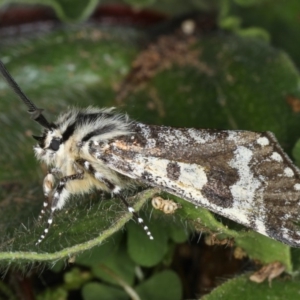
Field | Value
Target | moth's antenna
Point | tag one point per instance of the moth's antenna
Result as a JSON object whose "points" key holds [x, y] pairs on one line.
{"points": [[35, 113]]}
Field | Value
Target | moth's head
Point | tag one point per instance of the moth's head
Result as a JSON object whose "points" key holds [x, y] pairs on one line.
{"points": [[49, 144]]}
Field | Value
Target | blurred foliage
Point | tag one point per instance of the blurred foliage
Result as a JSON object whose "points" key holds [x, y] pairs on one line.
{"points": [[241, 287], [68, 11], [217, 80]]}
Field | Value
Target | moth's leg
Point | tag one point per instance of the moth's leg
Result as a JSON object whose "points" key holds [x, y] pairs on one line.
{"points": [[48, 185], [115, 190], [58, 198], [136, 216]]}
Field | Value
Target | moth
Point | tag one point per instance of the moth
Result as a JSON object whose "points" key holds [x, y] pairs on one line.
{"points": [[242, 175]]}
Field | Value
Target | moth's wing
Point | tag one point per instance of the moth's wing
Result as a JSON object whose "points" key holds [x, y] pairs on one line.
{"points": [[242, 175]]}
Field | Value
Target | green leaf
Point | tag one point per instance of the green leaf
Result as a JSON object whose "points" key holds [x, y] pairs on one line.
{"points": [[165, 285], [88, 231], [256, 245], [49, 294], [243, 288], [47, 74], [279, 18], [249, 2], [96, 291], [66, 10], [295, 254], [75, 278], [296, 153], [140, 3], [99, 254], [178, 231], [116, 268], [218, 81], [230, 23], [141, 249], [240, 84], [254, 32]]}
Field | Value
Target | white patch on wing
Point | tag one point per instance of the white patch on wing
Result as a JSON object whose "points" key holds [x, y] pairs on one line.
{"points": [[191, 180], [288, 172], [167, 136], [297, 186], [276, 156], [244, 190], [260, 226], [233, 136], [247, 185], [199, 136], [192, 174], [263, 141], [180, 136], [145, 131], [151, 143]]}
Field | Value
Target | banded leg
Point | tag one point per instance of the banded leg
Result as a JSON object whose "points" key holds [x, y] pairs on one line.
{"points": [[58, 199], [136, 216], [43, 210], [48, 185], [115, 190]]}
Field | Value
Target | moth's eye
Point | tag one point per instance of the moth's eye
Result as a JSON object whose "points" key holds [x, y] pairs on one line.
{"points": [[54, 145]]}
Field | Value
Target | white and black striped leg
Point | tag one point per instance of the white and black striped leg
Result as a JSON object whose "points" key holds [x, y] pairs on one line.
{"points": [[136, 216], [48, 185], [97, 175], [115, 190], [44, 209], [58, 199]]}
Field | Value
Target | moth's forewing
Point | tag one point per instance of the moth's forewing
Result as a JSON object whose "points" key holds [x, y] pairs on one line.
{"points": [[242, 175]]}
